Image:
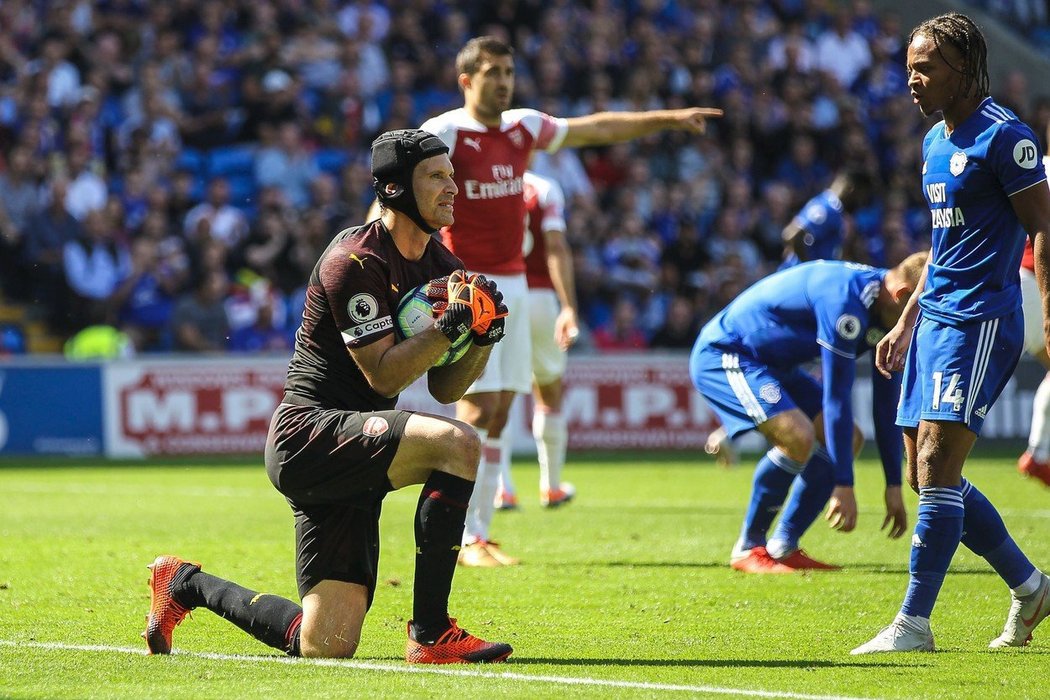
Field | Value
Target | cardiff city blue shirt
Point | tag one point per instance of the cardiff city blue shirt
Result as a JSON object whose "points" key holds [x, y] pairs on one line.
{"points": [[823, 225], [819, 309], [968, 177]]}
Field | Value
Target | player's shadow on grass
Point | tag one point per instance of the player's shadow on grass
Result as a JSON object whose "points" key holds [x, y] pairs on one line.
{"points": [[709, 663], [846, 568]]}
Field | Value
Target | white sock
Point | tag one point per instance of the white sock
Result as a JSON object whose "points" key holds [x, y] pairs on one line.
{"points": [[1039, 437], [482, 501], [506, 482], [552, 438], [1030, 586], [472, 528], [778, 548], [914, 622]]}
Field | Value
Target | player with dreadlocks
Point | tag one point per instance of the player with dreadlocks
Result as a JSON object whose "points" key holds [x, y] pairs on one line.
{"points": [[961, 332]]}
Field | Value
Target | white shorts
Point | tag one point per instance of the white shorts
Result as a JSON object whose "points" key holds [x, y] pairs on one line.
{"points": [[508, 368], [548, 360], [1032, 304]]}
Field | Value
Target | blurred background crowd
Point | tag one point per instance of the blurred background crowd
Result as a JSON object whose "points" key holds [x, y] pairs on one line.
{"points": [[173, 170]]}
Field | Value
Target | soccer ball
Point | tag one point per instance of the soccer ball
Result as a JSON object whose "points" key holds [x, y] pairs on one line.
{"points": [[415, 314]]}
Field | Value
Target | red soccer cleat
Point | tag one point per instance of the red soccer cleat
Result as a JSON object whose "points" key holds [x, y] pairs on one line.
{"points": [[1029, 466], [758, 561], [506, 500], [798, 559], [552, 498], [164, 613], [455, 646]]}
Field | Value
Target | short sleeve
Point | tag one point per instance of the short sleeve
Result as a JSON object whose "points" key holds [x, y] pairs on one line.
{"points": [[840, 324], [355, 285], [548, 132], [1016, 158]]}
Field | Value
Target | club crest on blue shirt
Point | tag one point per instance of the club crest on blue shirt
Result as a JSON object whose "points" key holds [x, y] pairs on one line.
{"points": [[957, 164], [770, 393]]}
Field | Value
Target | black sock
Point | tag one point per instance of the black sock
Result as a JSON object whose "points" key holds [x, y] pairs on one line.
{"points": [[440, 515], [272, 620]]}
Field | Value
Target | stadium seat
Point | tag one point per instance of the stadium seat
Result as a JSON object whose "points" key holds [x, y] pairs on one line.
{"points": [[191, 160], [332, 160], [231, 160], [242, 189]]}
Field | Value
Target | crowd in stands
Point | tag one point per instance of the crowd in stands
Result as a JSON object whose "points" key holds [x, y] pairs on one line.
{"points": [[175, 169]]}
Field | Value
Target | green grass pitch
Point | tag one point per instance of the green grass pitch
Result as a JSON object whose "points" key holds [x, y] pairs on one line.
{"points": [[624, 593]]}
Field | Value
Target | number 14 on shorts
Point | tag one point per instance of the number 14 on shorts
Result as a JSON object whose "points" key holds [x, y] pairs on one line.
{"points": [[951, 394]]}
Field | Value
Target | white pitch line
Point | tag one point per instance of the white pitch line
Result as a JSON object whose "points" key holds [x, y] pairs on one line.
{"points": [[460, 673]]}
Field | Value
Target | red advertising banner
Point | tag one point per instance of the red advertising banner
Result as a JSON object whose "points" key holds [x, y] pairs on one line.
{"points": [[191, 407], [635, 401]]}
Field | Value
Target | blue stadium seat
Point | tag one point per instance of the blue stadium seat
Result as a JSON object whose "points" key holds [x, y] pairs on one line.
{"points": [[332, 160], [231, 160], [190, 159], [242, 189]]}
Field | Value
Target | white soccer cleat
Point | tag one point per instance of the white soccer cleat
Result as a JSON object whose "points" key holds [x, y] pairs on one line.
{"points": [[899, 636], [1025, 615]]}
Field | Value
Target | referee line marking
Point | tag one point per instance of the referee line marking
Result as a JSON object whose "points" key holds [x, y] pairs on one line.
{"points": [[459, 673]]}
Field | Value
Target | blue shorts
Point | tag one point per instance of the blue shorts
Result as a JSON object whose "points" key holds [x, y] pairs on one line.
{"points": [[745, 392], [955, 373]]}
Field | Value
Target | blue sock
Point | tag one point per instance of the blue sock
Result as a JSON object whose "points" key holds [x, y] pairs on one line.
{"points": [[773, 476], [984, 534], [937, 534], [808, 497]]}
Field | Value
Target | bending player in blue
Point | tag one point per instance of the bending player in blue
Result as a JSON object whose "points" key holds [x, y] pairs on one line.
{"points": [[747, 363], [962, 332]]}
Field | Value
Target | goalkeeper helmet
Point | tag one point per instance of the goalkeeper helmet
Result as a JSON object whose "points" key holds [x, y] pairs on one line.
{"points": [[395, 155]]}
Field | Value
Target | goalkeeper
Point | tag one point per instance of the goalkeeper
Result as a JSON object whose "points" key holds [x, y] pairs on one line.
{"points": [[337, 445], [747, 364]]}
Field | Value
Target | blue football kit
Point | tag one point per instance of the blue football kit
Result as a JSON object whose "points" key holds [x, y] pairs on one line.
{"points": [[971, 328], [823, 225], [747, 361]]}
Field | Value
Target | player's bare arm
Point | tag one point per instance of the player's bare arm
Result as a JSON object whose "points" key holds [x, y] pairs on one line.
{"points": [[896, 519], [794, 237], [1032, 206], [613, 127], [448, 383], [892, 349], [390, 366], [559, 264]]}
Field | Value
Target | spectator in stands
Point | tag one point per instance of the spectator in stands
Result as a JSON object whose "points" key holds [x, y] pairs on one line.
{"points": [[94, 266], [621, 332], [199, 320], [681, 328], [145, 298], [225, 223], [288, 165], [842, 52], [87, 189], [45, 240], [20, 201]]}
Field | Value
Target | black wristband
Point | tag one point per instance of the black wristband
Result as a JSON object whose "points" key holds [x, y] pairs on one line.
{"points": [[455, 321], [493, 335]]}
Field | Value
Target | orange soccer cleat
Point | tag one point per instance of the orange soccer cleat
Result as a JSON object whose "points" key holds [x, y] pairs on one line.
{"points": [[798, 559], [455, 646], [1031, 467], [164, 612], [506, 500], [758, 561], [552, 498]]}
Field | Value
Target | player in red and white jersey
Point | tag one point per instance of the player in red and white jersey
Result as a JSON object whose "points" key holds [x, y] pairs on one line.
{"points": [[553, 329], [490, 145], [1035, 460]]}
